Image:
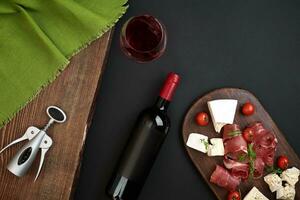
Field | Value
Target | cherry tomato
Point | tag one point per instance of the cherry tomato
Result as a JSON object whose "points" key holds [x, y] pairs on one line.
{"points": [[248, 109], [202, 118], [282, 162], [235, 195], [248, 135]]}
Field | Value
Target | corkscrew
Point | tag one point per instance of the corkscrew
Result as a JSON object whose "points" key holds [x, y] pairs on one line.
{"points": [[37, 139]]}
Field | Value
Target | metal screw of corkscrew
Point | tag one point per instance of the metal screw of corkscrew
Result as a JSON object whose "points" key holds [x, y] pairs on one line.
{"points": [[38, 139]]}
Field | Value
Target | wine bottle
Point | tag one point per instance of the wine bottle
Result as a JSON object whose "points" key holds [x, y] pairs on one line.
{"points": [[146, 138]]}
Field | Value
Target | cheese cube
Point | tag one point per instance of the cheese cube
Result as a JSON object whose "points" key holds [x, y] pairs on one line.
{"points": [[291, 176], [255, 194], [222, 112], [216, 148], [286, 193], [274, 182], [198, 142]]}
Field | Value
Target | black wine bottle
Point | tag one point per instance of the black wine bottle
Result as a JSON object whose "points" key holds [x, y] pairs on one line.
{"points": [[143, 145]]}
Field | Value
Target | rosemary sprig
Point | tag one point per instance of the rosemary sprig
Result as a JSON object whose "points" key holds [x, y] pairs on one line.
{"points": [[251, 152], [205, 143], [273, 170], [234, 133], [242, 157], [251, 168], [252, 157]]}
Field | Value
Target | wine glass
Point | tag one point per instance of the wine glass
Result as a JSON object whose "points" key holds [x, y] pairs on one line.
{"points": [[143, 38]]}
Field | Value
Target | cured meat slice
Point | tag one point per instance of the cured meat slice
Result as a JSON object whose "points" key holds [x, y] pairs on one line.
{"points": [[235, 151], [262, 151], [238, 169], [266, 140], [235, 147], [265, 147], [264, 143], [229, 163], [224, 179], [257, 128], [259, 166], [230, 131], [269, 158], [236, 159], [266, 154]]}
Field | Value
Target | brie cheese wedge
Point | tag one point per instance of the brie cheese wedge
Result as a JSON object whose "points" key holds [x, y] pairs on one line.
{"points": [[291, 176], [198, 142], [255, 194], [222, 112], [274, 182], [286, 193], [216, 148]]}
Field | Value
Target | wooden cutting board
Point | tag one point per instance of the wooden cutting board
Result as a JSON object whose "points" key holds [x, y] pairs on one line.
{"points": [[206, 165], [74, 91]]}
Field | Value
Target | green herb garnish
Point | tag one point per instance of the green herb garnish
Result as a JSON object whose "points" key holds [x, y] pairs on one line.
{"points": [[234, 133], [242, 157], [205, 143], [273, 170], [252, 157], [251, 168], [251, 152]]}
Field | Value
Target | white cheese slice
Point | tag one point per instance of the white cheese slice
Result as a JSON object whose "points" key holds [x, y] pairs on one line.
{"points": [[216, 148], [222, 112], [291, 176], [255, 194], [286, 193], [198, 142], [274, 182]]}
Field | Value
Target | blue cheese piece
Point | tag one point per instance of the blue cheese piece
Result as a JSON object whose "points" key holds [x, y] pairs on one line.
{"points": [[216, 148], [291, 175], [274, 182], [255, 194], [286, 193], [198, 142], [222, 112]]}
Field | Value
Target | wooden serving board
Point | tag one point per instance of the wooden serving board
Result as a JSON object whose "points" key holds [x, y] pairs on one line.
{"points": [[74, 91], [206, 165]]}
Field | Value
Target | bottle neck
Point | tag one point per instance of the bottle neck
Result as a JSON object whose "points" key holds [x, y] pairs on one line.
{"points": [[162, 104], [169, 87], [167, 91]]}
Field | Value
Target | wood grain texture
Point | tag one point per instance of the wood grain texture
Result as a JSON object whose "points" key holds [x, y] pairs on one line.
{"points": [[74, 91], [206, 165]]}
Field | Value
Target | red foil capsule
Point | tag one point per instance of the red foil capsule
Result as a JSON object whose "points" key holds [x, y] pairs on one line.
{"points": [[169, 87]]}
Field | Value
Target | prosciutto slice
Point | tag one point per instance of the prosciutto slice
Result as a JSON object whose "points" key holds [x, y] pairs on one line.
{"points": [[264, 143], [224, 179], [267, 140], [235, 147], [234, 144], [257, 128], [229, 131], [259, 166], [237, 161], [269, 158], [238, 169], [266, 154]]}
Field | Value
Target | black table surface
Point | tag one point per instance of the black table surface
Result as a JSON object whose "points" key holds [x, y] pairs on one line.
{"points": [[253, 45]]}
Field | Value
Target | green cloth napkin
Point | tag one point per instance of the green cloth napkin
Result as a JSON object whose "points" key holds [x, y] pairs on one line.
{"points": [[37, 39]]}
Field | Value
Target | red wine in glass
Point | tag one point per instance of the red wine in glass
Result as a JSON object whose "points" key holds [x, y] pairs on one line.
{"points": [[143, 38]]}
